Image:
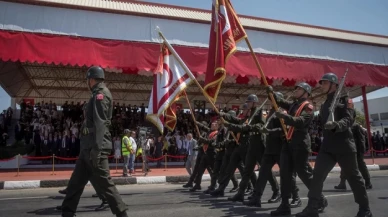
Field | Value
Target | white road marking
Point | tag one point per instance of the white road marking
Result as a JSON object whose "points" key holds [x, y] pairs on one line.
{"points": [[24, 198], [332, 195]]}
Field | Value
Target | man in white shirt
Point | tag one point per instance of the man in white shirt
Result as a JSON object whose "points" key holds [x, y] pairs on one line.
{"points": [[191, 153], [132, 156]]}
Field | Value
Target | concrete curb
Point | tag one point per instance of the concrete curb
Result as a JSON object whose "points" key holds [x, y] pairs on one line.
{"points": [[30, 184]]}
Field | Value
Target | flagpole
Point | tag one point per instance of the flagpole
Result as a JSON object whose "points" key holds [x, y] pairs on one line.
{"points": [[192, 113], [187, 70], [265, 82]]}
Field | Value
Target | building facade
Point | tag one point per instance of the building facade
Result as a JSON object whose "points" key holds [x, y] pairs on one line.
{"points": [[378, 113]]}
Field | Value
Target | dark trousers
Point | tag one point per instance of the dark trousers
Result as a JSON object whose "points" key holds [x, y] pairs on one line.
{"points": [[217, 169], [196, 167], [348, 162], [84, 172], [362, 167], [206, 162], [294, 160], [254, 156], [265, 173], [224, 167], [237, 158], [92, 182]]}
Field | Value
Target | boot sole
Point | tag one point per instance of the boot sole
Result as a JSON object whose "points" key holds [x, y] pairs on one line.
{"points": [[281, 214], [275, 201]]}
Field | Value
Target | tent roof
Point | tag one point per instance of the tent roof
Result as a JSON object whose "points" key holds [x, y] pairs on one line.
{"points": [[57, 83], [173, 12]]}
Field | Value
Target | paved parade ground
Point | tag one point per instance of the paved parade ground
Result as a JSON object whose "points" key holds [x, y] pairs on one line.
{"points": [[173, 201]]}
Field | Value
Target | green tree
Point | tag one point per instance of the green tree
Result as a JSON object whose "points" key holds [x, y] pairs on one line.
{"points": [[360, 118]]}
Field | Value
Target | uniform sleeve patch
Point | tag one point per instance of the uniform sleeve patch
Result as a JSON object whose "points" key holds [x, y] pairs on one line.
{"points": [[99, 96]]}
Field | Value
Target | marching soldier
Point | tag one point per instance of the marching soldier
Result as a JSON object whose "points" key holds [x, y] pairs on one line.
{"points": [[95, 163], [255, 149], [84, 148], [337, 146], [237, 157], [220, 152], [205, 130], [359, 139], [294, 155], [274, 143], [208, 158], [230, 144]]}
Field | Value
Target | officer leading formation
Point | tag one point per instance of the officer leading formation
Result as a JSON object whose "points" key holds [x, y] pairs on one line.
{"points": [[93, 161], [244, 141]]}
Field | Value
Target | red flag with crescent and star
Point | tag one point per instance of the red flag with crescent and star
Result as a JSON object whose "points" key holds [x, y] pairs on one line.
{"points": [[225, 32], [170, 79]]}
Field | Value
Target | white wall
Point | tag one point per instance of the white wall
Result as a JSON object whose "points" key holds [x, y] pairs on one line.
{"points": [[376, 106]]}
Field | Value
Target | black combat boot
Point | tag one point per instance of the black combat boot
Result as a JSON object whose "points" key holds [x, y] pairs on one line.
{"points": [[188, 185], [209, 190], [308, 212], [195, 188], [311, 210], [368, 184], [254, 201], [217, 193], [64, 191], [323, 204], [68, 214], [364, 212], [249, 191], [95, 195], [104, 205], [122, 214], [283, 209], [275, 197], [296, 201], [234, 189], [341, 186], [239, 197]]}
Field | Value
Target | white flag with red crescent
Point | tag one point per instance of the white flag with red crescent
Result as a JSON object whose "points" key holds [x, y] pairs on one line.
{"points": [[170, 79]]}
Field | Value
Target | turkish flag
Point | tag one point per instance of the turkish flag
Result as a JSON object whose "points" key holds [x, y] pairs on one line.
{"points": [[235, 107], [29, 101], [225, 32], [179, 106]]}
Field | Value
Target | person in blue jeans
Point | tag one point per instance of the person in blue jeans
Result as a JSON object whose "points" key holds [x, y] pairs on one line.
{"points": [[132, 155], [126, 150]]}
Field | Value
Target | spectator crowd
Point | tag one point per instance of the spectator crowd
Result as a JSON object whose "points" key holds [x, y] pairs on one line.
{"points": [[54, 132]]}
